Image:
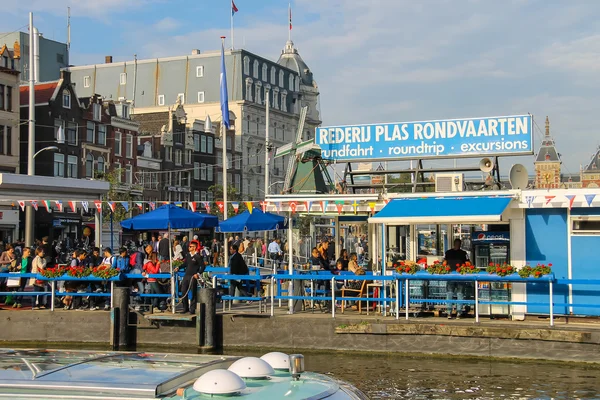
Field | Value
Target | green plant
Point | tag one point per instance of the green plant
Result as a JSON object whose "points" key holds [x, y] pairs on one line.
{"points": [[525, 272], [541, 269], [79, 272], [438, 268], [406, 267], [467, 268], [503, 269], [177, 263], [55, 272], [105, 272]]}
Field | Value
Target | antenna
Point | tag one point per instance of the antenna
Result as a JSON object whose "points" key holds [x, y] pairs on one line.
{"points": [[518, 177], [68, 34]]}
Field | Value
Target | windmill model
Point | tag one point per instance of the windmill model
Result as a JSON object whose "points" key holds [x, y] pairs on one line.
{"points": [[307, 171]]}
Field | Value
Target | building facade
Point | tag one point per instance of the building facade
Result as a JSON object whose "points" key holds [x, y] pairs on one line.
{"points": [[153, 86], [9, 110], [547, 163], [53, 56]]}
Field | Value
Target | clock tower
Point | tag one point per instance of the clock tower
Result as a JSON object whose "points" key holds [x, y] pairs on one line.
{"points": [[547, 163]]}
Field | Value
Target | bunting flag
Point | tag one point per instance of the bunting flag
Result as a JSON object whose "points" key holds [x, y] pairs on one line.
{"points": [[22, 205], [85, 205], [372, 206], [192, 205], [529, 200], [571, 198], [549, 199], [46, 204], [355, 206], [589, 198], [221, 206], [34, 204], [152, 205], [308, 205], [339, 204], [164, 203], [386, 201], [207, 206], [125, 205], [325, 203], [249, 205], [179, 203], [236, 206], [278, 206], [263, 205], [322, 203], [59, 205], [293, 205], [111, 205], [73, 205], [139, 205], [98, 205]]}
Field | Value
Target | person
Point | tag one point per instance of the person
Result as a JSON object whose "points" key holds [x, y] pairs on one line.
{"points": [[237, 266], [152, 266], [184, 246], [8, 261], [37, 266], [216, 248], [136, 263], [108, 260], [274, 252], [26, 260], [316, 260], [454, 258], [177, 251], [344, 260], [94, 260], [154, 244], [122, 260], [194, 267], [47, 251], [164, 248]]}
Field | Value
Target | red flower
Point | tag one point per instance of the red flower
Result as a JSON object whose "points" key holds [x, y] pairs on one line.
{"points": [[407, 269], [550, 264], [504, 271], [447, 268], [472, 266], [498, 269]]}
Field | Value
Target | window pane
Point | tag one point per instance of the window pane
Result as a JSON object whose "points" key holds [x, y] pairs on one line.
{"points": [[118, 143], [196, 142], [9, 140], [203, 144], [102, 135], [209, 145], [89, 137], [72, 133], [129, 146]]}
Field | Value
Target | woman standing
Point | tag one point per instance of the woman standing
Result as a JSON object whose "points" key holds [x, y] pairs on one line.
{"points": [[37, 266], [25, 268], [8, 262], [152, 266], [177, 251]]}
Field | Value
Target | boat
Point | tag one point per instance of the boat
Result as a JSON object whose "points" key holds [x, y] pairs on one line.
{"points": [[73, 374]]}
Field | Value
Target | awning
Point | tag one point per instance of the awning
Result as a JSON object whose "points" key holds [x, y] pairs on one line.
{"points": [[451, 209]]}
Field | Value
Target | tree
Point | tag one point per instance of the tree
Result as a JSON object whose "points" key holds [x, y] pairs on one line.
{"points": [[232, 195], [113, 178]]}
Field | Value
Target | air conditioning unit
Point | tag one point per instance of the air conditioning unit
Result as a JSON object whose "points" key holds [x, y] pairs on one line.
{"points": [[449, 182]]}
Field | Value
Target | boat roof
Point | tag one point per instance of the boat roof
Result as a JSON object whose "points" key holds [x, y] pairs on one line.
{"points": [[106, 375]]}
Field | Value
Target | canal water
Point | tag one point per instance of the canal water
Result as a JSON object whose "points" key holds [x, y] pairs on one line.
{"points": [[399, 377]]}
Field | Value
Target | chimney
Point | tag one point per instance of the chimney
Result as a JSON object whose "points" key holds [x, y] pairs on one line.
{"points": [[108, 60], [195, 52]]}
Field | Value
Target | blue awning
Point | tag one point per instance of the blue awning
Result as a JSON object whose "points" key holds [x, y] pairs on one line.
{"points": [[451, 209]]}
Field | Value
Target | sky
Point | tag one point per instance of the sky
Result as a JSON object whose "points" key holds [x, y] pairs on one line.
{"points": [[378, 60]]}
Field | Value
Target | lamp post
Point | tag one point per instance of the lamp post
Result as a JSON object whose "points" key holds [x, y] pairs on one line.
{"points": [[29, 213]]}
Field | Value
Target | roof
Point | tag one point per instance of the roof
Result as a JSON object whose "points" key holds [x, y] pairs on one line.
{"points": [[548, 153], [594, 164], [290, 58], [152, 122], [43, 92]]}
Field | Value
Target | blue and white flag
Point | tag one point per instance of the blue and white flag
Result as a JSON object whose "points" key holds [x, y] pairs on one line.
{"points": [[224, 98]]}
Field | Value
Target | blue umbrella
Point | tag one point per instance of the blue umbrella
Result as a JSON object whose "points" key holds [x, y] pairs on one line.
{"points": [[251, 222], [170, 217]]}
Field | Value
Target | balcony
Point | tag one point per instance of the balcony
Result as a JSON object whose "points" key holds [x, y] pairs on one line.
{"points": [[133, 189]]}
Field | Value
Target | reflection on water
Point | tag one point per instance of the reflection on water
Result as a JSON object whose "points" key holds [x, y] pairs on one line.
{"points": [[398, 377]]}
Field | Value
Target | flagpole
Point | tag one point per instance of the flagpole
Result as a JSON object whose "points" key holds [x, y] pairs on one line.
{"points": [[224, 144], [290, 22], [232, 43]]}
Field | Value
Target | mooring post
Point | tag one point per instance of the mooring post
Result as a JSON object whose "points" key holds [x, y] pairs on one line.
{"points": [[200, 313], [119, 318], [208, 303]]}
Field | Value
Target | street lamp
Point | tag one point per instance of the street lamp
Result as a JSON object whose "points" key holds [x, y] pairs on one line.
{"points": [[53, 148]]}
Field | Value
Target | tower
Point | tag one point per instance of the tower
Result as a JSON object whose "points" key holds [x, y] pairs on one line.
{"points": [[547, 163]]}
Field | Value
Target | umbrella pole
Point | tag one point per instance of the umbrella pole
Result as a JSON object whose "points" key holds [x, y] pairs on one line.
{"points": [[171, 268]]}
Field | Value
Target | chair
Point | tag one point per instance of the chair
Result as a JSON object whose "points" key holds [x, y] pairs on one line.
{"points": [[354, 293]]}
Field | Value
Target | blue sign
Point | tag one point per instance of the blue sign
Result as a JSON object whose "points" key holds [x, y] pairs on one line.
{"points": [[487, 237], [472, 137]]}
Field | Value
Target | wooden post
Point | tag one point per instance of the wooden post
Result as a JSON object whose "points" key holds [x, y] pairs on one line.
{"points": [[119, 318]]}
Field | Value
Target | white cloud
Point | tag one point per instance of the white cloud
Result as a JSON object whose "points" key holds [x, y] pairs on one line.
{"points": [[87, 8], [166, 24]]}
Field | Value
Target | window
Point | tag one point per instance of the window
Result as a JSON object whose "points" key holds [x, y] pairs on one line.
{"points": [[117, 169], [102, 135], [209, 144], [9, 140], [86, 81], [123, 78], [118, 144], [209, 196], [203, 171], [199, 71], [196, 195], [59, 164], [72, 167], [209, 173], [297, 84], [255, 69], [178, 157], [276, 99], [181, 98], [228, 143], [219, 178], [284, 101], [89, 166], [66, 99], [273, 75], [196, 143], [72, 133], [59, 124], [128, 174], [60, 58], [200, 97], [202, 144], [291, 82], [1, 141], [161, 99], [203, 196], [188, 156], [97, 111], [246, 65], [196, 170], [169, 153], [101, 167], [125, 111], [238, 163], [238, 182], [8, 98], [258, 95], [129, 146], [281, 78], [249, 89], [264, 73], [2, 97], [90, 132]]}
